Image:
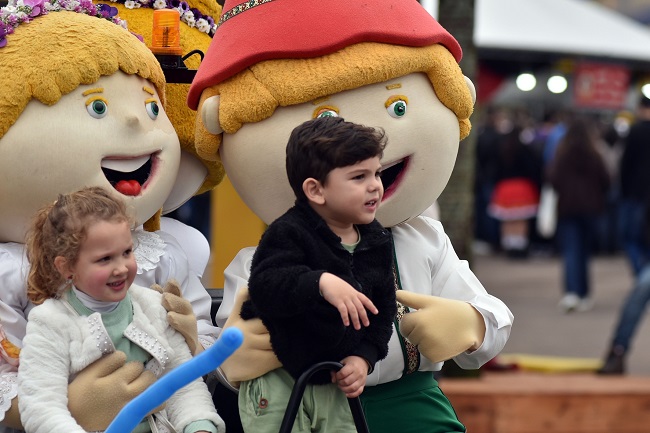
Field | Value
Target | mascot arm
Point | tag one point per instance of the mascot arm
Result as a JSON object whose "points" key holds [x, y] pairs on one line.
{"points": [[456, 318], [255, 357], [103, 388], [441, 328]]}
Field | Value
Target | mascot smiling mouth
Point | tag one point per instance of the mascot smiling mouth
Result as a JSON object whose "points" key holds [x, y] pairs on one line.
{"points": [[128, 175], [392, 175]]}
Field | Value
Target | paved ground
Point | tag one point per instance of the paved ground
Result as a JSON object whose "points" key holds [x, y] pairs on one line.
{"points": [[532, 287]]}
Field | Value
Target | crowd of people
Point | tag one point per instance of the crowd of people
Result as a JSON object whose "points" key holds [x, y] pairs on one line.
{"points": [[515, 149], [595, 167]]}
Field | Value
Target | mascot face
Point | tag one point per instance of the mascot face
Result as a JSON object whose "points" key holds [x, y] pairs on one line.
{"points": [[418, 160], [113, 133]]}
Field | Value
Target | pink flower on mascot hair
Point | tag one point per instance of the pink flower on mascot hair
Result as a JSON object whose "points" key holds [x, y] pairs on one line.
{"points": [[36, 5]]}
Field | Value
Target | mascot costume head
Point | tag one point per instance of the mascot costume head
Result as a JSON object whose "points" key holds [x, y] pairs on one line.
{"points": [[81, 104], [197, 25], [383, 63]]}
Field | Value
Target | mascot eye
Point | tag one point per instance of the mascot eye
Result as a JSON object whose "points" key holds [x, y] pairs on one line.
{"points": [[97, 108], [328, 113], [152, 109], [397, 109], [325, 111]]}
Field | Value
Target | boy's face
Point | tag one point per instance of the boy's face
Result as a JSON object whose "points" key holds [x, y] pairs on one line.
{"points": [[351, 194], [418, 160], [113, 133]]}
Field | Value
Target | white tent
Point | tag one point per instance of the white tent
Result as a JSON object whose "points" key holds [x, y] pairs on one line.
{"points": [[573, 27]]}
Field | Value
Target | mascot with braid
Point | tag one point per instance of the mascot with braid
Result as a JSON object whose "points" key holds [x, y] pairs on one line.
{"points": [[81, 104], [274, 64]]}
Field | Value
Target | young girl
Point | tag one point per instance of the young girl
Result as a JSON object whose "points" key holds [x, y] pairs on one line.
{"points": [[82, 268]]}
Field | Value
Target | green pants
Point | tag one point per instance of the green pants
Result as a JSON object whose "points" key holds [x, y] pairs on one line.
{"points": [[263, 402], [413, 404]]}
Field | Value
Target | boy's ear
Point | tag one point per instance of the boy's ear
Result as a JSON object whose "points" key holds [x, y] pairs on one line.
{"points": [[313, 190], [61, 265]]}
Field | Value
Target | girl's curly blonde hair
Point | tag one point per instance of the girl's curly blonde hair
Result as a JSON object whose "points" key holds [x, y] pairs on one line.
{"points": [[59, 229]]}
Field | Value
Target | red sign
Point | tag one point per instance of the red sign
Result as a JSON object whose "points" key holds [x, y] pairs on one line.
{"points": [[601, 85]]}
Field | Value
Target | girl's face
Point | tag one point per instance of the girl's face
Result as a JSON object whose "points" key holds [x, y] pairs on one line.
{"points": [[351, 195], [106, 266], [418, 160], [112, 133]]}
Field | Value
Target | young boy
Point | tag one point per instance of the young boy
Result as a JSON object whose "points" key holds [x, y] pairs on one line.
{"points": [[316, 271]]}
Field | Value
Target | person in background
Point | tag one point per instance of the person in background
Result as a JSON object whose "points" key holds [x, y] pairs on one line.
{"points": [[515, 198], [486, 165], [635, 188], [580, 178], [82, 268], [316, 271], [629, 318], [610, 145]]}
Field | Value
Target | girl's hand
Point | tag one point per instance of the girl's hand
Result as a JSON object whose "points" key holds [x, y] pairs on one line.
{"points": [[350, 302], [351, 379]]}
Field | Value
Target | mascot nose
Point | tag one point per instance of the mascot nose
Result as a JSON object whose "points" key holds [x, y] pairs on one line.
{"points": [[131, 120]]}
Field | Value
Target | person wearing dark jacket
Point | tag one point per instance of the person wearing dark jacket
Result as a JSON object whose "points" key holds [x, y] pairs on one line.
{"points": [[316, 273], [635, 188], [578, 174]]}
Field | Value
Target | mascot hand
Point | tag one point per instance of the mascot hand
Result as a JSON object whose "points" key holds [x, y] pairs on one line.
{"points": [[180, 314], [102, 389], [255, 356], [441, 328]]}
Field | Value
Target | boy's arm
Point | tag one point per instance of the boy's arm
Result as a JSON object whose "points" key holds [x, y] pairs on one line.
{"points": [[282, 283], [374, 346], [350, 303]]}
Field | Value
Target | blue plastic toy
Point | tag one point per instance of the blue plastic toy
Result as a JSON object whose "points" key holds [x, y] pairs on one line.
{"points": [[131, 414]]}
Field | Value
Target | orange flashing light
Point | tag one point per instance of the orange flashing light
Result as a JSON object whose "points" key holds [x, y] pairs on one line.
{"points": [[166, 36]]}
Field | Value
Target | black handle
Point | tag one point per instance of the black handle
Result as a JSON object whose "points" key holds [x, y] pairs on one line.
{"points": [[299, 389]]}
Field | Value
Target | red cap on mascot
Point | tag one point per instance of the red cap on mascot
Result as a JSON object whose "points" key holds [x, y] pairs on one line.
{"points": [[252, 31]]}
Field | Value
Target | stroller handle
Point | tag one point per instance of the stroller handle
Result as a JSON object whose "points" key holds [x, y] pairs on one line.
{"points": [[299, 389]]}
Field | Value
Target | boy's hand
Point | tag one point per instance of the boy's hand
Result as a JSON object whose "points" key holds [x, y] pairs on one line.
{"points": [[351, 379], [350, 302]]}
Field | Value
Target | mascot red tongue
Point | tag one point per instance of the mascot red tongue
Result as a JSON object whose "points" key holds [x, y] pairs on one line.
{"points": [[128, 187]]}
